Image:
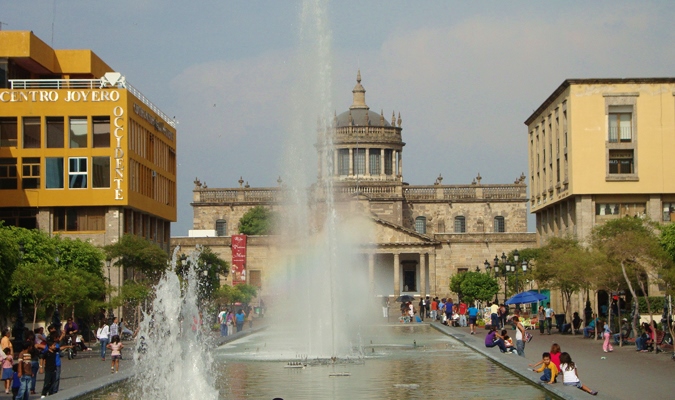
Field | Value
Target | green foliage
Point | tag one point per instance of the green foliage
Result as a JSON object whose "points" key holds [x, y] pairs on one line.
{"points": [[473, 286], [138, 255], [565, 265], [51, 269], [258, 221], [209, 269], [79, 255], [243, 293], [656, 303]]}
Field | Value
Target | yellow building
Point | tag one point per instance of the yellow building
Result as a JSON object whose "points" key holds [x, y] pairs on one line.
{"points": [[82, 153], [600, 149]]}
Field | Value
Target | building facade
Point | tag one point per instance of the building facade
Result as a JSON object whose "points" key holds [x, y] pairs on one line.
{"points": [[598, 149], [422, 234], [83, 154]]}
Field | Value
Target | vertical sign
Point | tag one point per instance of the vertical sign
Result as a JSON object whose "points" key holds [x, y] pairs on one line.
{"points": [[238, 259]]}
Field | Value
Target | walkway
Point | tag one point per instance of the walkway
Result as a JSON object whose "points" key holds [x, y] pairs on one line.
{"points": [[621, 374]]}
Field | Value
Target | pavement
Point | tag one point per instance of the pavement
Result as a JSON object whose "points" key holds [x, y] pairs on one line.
{"points": [[620, 374]]}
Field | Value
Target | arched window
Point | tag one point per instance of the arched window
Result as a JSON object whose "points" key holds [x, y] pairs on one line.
{"points": [[421, 225], [500, 225], [460, 224], [221, 227]]}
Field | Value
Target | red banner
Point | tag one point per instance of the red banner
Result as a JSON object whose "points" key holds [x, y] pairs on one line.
{"points": [[238, 259]]}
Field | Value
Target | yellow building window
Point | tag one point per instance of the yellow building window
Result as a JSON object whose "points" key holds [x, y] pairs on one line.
{"points": [[79, 219], [78, 132], [30, 172], [55, 132], [8, 132], [8, 173], [31, 133]]}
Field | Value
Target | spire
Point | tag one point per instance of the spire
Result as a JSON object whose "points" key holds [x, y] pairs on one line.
{"points": [[359, 94], [399, 120], [393, 118], [381, 117]]}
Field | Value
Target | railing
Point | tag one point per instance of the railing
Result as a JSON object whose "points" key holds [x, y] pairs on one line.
{"points": [[503, 192], [620, 134], [22, 84], [18, 84], [239, 195], [424, 193], [459, 193]]}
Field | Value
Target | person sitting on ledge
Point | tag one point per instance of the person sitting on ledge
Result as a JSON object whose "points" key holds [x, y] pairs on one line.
{"points": [[493, 339]]}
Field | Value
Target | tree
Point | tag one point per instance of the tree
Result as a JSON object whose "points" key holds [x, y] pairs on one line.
{"points": [[36, 281], [210, 267], [472, 286], [632, 244], [258, 221], [137, 254], [232, 294], [565, 265]]}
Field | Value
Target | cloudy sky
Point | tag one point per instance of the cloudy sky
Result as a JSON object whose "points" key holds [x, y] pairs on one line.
{"points": [[463, 75]]}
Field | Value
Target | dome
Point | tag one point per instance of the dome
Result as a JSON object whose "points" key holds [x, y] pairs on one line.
{"points": [[358, 116], [359, 113]]}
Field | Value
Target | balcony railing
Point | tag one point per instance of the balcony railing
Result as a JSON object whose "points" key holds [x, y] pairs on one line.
{"points": [[620, 134], [58, 84]]}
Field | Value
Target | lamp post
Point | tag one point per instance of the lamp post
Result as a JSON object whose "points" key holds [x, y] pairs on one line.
{"points": [[111, 315], [56, 320], [502, 269], [19, 325]]}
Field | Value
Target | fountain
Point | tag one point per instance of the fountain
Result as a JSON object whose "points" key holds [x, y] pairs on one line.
{"points": [[320, 341]]}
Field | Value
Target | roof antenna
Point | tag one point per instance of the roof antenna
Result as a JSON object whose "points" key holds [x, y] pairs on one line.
{"points": [[53, 18]]}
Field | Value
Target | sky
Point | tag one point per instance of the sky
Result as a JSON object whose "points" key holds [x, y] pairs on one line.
{"points": [[464, 75]]}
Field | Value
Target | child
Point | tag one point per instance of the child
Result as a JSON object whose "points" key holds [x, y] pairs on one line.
{"points": [[16, 381], [7, 373], [49, 355], [508, 342], [549, 369], [25, 371], [570, 376], [115, 345]]}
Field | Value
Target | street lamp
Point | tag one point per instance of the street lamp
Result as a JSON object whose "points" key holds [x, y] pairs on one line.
{"points": [[111, 315], [56, 320], [19, 326], [502, 269]]}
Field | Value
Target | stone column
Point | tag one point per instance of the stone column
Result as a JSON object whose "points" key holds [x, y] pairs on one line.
{"points": [[371, 273], [423, 274], [432, 272], [397, 275], [382, 163], [335, 163], [367, 161], [400, 164], [351, 162]]}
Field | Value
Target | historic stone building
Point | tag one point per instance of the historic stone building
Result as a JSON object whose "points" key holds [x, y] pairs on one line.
{"points": [[423, 234]]}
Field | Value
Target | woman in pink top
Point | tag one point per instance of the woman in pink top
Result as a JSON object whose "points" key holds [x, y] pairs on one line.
{"points": [[115, 346]]}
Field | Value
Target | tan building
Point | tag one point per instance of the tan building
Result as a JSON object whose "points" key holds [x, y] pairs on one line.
{"points": [[599, 149], [423, 234]]}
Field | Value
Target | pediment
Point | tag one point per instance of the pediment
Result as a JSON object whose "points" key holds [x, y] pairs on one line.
{"points": [[387, 233]]}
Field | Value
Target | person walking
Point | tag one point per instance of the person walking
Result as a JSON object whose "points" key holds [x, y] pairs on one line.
{"points": [[25, 371], [606, 334], [222, 317], [494, 314], [103, 336], [462, 313], [520, 336], [541, 317], [473, 316], [115, 352], [114, 328], [240, 319], [549, 313]]}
